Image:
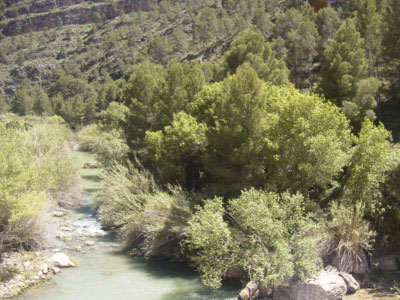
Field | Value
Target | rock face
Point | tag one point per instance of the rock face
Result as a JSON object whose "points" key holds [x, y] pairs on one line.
{"points": [[50, 13], [62, 260], [327, 285], [254, 290]]}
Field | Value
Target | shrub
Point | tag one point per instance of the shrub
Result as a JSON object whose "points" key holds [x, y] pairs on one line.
{"points": [[88, 137], [349, 235], [34, 167], [145, 218], [269, 235]]}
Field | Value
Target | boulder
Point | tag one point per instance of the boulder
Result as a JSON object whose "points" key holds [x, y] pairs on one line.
{"points": [[254, 290], [327, 285], [351, 283], [92, 165], [58, 214], [62, 260]]}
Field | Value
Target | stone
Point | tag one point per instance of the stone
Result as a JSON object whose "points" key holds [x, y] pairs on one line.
{"points": [[254, 290], [62, 260], [89, 243], [327, 285], [92, 165], [55, 270], [351, 283], [58, 214]]}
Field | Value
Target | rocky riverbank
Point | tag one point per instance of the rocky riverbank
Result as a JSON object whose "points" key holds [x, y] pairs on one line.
{"points": [[21, 269]]}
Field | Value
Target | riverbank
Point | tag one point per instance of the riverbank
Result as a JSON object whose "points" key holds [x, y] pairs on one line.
{"points": [[104, 272]]}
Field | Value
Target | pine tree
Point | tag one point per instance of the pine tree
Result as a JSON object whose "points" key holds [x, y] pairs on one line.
{"points": [[344, 74], [369, 26], [4, 107], [302, 43]]}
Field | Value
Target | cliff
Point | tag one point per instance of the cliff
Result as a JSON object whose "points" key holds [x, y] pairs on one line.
{"points": [[47, 14]]}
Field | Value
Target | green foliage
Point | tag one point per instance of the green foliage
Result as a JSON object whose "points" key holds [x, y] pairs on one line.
{"points": [[344, 74], [349, 235], [268, 235], [4, 107], [154, 99], [370, 28], [250, 46], [145, 218], [177, 150], [372, 157], [34, 167], [302, 43]]}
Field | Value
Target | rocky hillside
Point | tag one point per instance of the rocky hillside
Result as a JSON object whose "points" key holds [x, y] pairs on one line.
{"points": [[39, 15]]}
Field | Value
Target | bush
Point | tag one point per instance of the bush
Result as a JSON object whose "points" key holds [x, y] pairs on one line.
{"points": [[88, 137], [269, 235], [34, 168], [349, 235], [145, 218]]}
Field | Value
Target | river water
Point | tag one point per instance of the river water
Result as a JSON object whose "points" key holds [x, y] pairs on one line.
{"points": [[104, 272]]}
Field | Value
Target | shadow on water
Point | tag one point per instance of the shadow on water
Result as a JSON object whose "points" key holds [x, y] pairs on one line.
{"points": [[90, 190], [93, 178]]}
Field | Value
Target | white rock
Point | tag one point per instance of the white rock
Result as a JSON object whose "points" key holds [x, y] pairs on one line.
{"points": [[58, 214], [327, 285], [62, 260], [55, 270], [89, 243], [352, 284]]}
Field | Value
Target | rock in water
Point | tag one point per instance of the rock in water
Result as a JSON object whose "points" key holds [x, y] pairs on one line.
{"points": [[352, 284], [254, 290], [92, 165], [327, 285], [62, 260]]}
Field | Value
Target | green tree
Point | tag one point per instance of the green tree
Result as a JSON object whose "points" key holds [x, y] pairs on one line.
{"points": [[22, 102], [369, 26], [371, 159], [182, 81], [177, 150], [328, 22], [250, 46], [140, 95], [344, 74], [41, 102], [302, 44], [4, 107], [160, 48], [268, 235]]}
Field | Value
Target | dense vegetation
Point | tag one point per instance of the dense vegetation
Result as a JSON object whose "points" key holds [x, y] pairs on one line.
{"points": [[36, 174], [244, 134]]}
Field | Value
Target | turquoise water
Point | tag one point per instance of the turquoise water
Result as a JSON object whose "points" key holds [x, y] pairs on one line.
{"points": [[106, 273]]}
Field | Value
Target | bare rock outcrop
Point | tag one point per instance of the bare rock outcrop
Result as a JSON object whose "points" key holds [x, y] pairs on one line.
{"points": [[327, 285]]}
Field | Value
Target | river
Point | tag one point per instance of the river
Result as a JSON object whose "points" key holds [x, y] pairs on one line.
{"points": [[104, 272]]}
